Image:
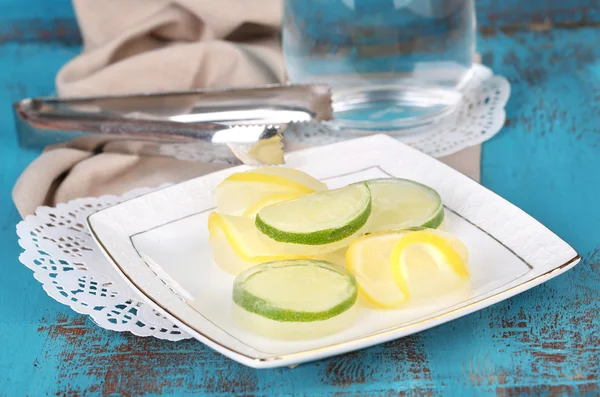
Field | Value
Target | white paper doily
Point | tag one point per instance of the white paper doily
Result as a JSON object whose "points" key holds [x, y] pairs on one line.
{"points": [[66, 260], [479, 117]]}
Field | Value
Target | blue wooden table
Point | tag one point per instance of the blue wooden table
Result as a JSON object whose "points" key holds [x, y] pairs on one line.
{"points": [[546, 160]]}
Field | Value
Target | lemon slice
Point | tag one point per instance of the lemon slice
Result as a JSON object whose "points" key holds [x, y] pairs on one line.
{"points": [[293, 175], [420, 254], [296, 298], [319, 218], [392, 266], [237, 245], [268, 151], [402, 203], [244, 190], [276, 198], [227, 255], [336, 257], [369, 259]]}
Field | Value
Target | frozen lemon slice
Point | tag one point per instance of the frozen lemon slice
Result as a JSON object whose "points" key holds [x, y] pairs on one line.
{"points": [[392, 266], [402, 203], [293, 175], [336, 257], [420, 255], [294, 299], [237, 245], [228, 256], [276, 198], [242, 191], [319, 218], [369, 259]]}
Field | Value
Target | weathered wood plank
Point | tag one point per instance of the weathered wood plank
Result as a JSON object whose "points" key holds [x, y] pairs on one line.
{"points": [[542, 342], [38, 20], [55, 20], [24, 70], [497, 14]]}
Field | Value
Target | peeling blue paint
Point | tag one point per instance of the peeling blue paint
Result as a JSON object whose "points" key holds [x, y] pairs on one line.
{"points": [[542, 342]]}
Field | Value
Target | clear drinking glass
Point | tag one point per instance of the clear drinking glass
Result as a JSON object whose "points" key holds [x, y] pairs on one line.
{"points": [[392, 64]]}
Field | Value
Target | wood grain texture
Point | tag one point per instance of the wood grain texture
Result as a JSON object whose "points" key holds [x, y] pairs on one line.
{"points": [[517, 14], [38, 20], [55, 20], [544, 342]]}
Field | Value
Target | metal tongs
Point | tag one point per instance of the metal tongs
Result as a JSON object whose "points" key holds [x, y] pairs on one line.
{"points": [[233, 125]]}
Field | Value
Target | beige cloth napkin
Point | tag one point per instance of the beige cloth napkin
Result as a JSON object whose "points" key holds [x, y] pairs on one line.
{"points": [[158, 45], [162, 45]]}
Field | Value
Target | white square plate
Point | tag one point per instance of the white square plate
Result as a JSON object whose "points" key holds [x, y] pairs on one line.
{"points": [[159, 244]]}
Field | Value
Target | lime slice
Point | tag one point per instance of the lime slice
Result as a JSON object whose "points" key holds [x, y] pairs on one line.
{"points": [[304, 297], [244, 190], [237, 245], [391, 267], [319, 218], [402, 203]]}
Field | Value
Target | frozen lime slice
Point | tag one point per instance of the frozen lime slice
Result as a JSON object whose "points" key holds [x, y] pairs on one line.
{"points": [[318, 218], [294, 298], [402, 203]]}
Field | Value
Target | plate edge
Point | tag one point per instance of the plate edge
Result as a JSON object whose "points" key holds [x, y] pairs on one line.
{"points": [[263, 362]]}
